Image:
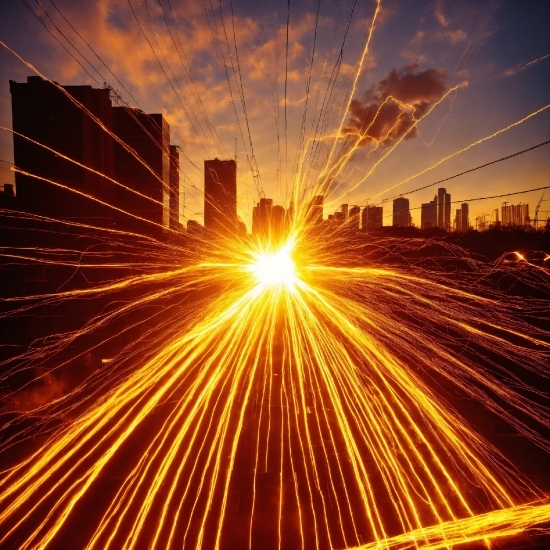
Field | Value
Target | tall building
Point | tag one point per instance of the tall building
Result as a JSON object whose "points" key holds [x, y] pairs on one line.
{"points": [[264, 217], [220, 196], [289, 217], [354, 218], [278, 215], [372, 217], [76, 123], [443, 209], [401, 212], [428, 214], [175, 188], [345, 211], [44, 113], [515, 214], [464, 217], [149, 136]]}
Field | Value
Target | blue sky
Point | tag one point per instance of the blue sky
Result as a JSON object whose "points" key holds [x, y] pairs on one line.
{"points": [[205, 68]]}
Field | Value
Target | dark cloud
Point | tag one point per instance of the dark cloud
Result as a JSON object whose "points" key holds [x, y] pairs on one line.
{"points": [[391, 106]]}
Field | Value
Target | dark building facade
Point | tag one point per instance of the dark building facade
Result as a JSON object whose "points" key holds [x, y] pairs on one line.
{"points": [[46, 114], [462, 220], [262, 218], [428, 214], [443, 209], [149, 137], [355, 218], [175, 209], [372, 217], [220, 196], [401, 212], [72, 168]]}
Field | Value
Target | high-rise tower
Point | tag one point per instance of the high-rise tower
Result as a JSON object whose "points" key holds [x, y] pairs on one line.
{"points": [[220, 196], [401, 213], [50, 115]]}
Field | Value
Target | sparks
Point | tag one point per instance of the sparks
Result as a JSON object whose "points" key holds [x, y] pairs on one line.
{"points": [[275, 268]]}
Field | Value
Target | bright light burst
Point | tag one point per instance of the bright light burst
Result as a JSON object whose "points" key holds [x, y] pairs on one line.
{"points": [[294, 396], [276, 268], [309, 412]]}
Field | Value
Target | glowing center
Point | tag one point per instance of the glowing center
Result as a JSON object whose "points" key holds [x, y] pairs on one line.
{"points": [[274, 269]]}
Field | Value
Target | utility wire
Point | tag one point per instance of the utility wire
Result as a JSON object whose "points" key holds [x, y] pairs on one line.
{"points": [[473, 170]]}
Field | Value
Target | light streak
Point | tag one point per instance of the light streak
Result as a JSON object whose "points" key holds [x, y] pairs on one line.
{"points": [[464, 149], [292, 391], [321, 400]]}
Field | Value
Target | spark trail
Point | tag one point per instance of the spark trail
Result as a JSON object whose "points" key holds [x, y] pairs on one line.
{"points": [[294, 392], [300, 403]]}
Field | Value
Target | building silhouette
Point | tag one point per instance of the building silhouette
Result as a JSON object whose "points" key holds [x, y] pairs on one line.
{"points": [[354, 220], [148, 135], [372, 217], [462, 223], [278, 221], [345, 211], [220, 196], [401, 212], [174, 200], [428, 214], [70, 170], [443, 209], [44, 113], [515, 214], [262, 218]]}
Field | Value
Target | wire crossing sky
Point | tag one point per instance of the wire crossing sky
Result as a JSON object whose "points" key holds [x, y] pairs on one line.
{"points": [[295, 390], [283, 80]]}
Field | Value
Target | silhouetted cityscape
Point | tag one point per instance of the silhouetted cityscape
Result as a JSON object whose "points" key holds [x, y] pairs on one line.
{"points": [[79, 158]]}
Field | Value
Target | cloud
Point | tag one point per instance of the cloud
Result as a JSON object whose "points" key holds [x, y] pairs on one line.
{"points": [[414, 58], [418, 37], [452, 36], [438, 14], [394, 103]]}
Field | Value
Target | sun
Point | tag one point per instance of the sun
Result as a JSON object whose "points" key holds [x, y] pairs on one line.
{"points": [[274, 268]]}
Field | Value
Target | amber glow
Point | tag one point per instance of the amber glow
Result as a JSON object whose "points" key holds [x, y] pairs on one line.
{"points": [[307, 388], [318, 384], [275, 268]]}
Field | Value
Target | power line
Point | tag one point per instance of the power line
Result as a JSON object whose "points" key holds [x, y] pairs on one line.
{"points": [[473, 170], [493, 196]]}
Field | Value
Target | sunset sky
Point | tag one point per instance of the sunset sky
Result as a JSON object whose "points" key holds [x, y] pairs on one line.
{"points": [[223, 73]]}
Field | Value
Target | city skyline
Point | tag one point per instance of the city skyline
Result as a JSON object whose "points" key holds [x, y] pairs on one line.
{"points": [[40, 107], [209, 338], [436, 49]]}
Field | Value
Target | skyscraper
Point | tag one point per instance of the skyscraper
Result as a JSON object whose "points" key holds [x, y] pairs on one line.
{"points": [[149, 136], [372, 217], [515, 214], [401, 213], [174, 187], [265, 214], [464, 217], [220, 196], [48, 115], [345, 211], [354, 217], [443, 209], [428, 214]]}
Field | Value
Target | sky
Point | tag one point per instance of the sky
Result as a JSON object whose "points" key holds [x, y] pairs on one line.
{"points": [[377, 100]]}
